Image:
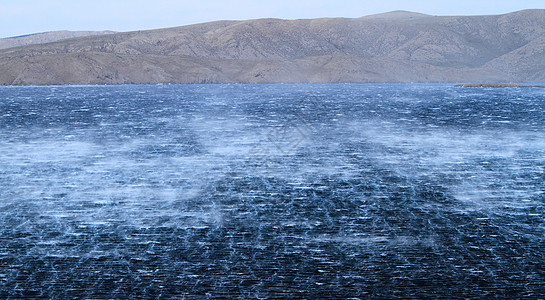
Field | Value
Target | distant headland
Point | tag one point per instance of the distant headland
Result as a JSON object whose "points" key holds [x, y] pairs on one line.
{"points": [[398, 46]]}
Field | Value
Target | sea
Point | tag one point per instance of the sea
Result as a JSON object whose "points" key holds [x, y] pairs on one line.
{"points": [[294, 191]]}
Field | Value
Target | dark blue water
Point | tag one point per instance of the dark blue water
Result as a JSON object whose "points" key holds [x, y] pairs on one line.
{"points": [[272, 191]]}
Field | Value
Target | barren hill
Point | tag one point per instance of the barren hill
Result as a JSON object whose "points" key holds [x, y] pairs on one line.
{"points": [[45, 37], [392, 47]]}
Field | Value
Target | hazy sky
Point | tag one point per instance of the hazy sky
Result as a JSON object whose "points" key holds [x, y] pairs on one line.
{"points": [[18, 17]]}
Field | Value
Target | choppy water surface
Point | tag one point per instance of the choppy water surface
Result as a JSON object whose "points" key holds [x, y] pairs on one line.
{"points": [[268, 191]]}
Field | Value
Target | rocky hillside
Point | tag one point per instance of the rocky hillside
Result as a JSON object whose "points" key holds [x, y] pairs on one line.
{"points": [[46, 37], [392, 47]]}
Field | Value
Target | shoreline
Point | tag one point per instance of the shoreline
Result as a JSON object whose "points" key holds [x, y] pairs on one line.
{"points": [[499, 85]]}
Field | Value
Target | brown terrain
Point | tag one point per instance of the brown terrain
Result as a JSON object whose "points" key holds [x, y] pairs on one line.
{"points": [[392, 47], [46, 37]]}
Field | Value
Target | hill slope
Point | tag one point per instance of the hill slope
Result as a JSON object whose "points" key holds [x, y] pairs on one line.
{"points": [[45, 37], [391, 47]]}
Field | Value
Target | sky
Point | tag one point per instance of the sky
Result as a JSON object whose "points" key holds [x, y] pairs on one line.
{"points": [[19, 17]]}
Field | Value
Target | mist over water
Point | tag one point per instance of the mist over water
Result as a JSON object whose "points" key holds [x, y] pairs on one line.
{"points": [[264, 191]]}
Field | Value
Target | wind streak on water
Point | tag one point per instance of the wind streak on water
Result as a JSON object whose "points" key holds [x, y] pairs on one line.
{"points": [[259, 191]]}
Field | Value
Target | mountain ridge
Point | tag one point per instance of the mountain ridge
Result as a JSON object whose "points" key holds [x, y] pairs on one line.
{"points": [[46, 37], [392, 47]]}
